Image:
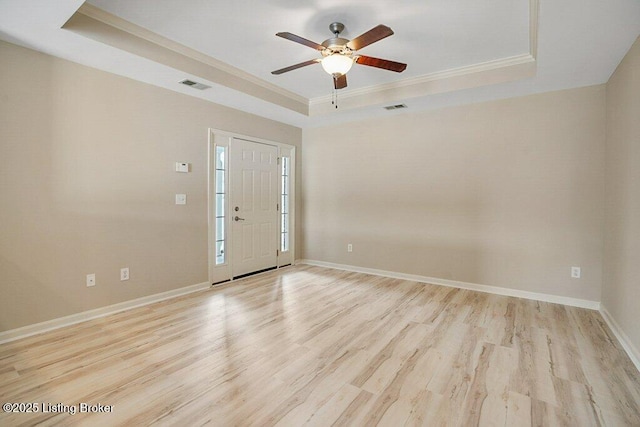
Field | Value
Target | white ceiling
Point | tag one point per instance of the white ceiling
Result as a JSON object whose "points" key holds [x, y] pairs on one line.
{"points": [[429, 36], [579, 43]]}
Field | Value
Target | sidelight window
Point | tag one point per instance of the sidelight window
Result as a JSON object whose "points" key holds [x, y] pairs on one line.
{"points": [[221, 193], [284, 203]]}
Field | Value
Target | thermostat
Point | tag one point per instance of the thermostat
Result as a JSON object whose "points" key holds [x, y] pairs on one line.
{"points": [[182, 167]]}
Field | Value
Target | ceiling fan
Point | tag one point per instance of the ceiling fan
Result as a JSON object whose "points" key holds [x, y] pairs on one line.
{"points": [[339, 54]]}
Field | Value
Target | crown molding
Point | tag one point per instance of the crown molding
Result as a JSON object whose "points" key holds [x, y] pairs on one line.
{"points": [[135, 31], [500, 70], [103, 26], [415, 82], [534, 8]]}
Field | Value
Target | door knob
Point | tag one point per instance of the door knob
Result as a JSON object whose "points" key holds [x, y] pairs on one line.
{"points": [[237, 218]]}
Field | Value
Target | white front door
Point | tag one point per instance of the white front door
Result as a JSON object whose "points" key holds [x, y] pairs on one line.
{"points": [[254, 198]]}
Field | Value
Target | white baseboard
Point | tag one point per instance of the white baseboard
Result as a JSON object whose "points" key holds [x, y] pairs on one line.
{"points": [[49, 325], [622, 337], [624, 340], [38, 328], [574, 302]]}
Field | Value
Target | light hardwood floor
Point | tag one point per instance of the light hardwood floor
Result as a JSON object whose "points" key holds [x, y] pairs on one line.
{"points": [[308, 345]]}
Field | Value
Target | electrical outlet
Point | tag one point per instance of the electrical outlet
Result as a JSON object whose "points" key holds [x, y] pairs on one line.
{"points": [[181, 199], [349, 247], [124, 274], [91, 279], [575, 272]]}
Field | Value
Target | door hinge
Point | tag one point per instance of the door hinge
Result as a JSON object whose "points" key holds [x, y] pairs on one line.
{"points": [[277, 206], [277, 252], [278, 160]]}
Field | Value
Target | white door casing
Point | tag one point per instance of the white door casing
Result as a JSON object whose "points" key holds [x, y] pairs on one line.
{"points": [[220, 211], [253, 206]]}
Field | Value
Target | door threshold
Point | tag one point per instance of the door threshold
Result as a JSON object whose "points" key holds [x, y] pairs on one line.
{"points": [[254, 272]]}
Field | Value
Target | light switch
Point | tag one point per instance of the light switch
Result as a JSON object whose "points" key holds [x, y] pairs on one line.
{"points": [[576, 272], [182, 167], [181, 199]]}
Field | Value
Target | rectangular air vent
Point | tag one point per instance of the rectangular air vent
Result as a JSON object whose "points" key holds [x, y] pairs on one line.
{"points": [[194, 85], [395, 107]]}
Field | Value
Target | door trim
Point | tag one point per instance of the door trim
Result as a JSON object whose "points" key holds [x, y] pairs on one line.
{"points": [[222, 138]]}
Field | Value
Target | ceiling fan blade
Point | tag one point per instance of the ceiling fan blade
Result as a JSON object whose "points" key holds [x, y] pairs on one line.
{"points": [[296, 66], [371, 36], [300, 40], [385, 64], [340, 82]]}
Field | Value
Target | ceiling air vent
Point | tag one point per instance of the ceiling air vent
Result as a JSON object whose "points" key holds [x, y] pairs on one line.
{"points": [[195, 85], [395, 107]]}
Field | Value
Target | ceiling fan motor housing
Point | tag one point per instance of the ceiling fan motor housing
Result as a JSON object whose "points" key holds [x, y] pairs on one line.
{"points": [[336, 45]]}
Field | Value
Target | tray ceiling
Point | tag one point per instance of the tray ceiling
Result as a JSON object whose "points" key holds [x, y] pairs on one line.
{"points": [[457, 51]]}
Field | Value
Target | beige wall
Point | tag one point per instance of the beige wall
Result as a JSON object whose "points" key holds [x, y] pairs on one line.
{"points": [[506, 193], [87, 185], [621, 282]]}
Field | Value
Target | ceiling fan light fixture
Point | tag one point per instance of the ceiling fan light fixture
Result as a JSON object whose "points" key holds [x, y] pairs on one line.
{"points": [[338, 54], [337, 63]]}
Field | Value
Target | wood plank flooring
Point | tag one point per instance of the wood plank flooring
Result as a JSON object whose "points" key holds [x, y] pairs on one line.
{"points": [[312, 346]]}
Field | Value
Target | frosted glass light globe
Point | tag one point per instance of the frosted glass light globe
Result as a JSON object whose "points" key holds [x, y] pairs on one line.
{"points": [[337, 64]]}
